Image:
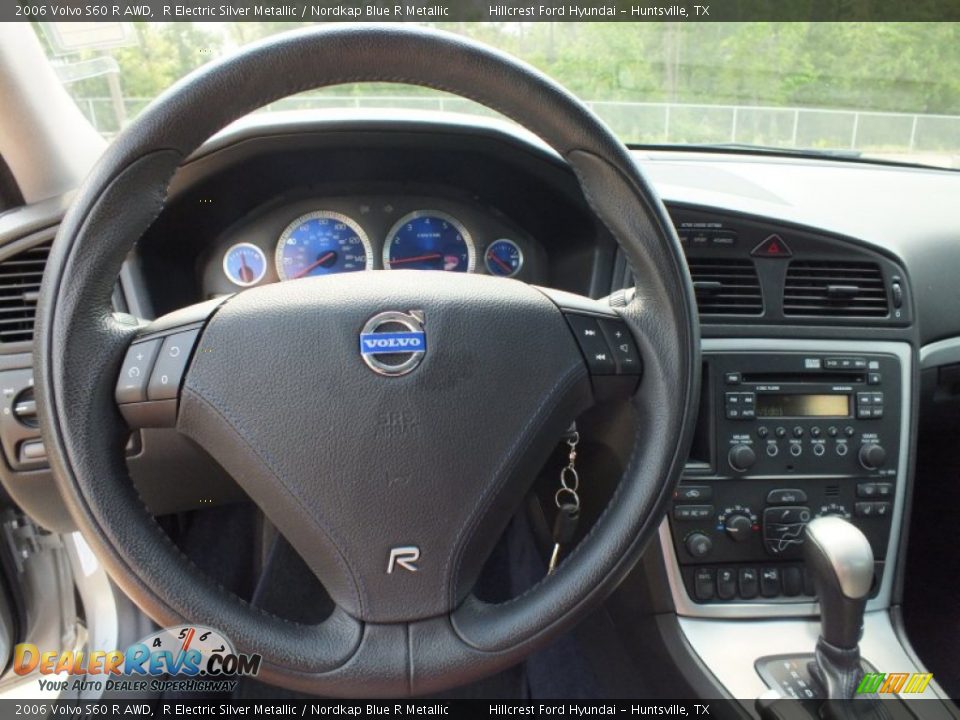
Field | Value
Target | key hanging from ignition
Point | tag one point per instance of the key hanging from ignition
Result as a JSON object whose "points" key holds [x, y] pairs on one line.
{"points": [[567, 501]]}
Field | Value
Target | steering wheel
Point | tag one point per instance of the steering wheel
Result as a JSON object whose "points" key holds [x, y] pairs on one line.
{"points": [[392, 478]]}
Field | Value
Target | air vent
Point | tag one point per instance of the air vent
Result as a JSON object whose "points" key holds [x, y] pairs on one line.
{"points": [[832, 288], [726, 287], [20, 277]]}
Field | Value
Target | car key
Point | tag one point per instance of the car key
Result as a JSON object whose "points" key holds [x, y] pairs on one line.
{"points": [[564, 526]]}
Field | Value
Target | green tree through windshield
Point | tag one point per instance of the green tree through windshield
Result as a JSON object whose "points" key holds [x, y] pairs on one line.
{"points": [[881, 89]]}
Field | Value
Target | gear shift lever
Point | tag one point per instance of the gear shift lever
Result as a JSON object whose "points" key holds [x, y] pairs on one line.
{"points": [[839, 557]]}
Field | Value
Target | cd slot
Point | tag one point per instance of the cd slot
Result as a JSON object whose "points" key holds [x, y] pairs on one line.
{"points": [[780, 378]]}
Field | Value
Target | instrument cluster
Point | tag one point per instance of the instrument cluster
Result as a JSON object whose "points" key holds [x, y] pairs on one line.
{"points": [[314, 237]]}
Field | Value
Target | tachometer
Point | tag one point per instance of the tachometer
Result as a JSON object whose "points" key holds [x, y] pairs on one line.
{"points": [[320, 243], [429, 240], [244, 264]]}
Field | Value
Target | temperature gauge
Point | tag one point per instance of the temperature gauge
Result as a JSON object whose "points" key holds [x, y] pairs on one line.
{"points": [[503, 258], [244, 264]]}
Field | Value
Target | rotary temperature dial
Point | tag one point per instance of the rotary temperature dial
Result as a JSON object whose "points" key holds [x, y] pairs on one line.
{"points": [[739, 522]]}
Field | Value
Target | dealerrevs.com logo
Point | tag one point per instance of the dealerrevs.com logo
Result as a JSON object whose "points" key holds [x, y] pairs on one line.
{"points": [[184, 658]]}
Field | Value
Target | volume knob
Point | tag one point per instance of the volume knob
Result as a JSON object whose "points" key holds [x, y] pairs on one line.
{"points": [[741, 457], [872, 456]]}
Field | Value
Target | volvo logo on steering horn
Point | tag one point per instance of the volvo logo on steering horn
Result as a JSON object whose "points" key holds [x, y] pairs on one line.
{"points": [[393, 343]]}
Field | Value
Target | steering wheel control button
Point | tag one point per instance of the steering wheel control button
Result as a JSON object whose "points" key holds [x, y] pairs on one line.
{"points": [[393, 343], [135, 371], [594, 347], [625, 352], [786, 497], [171, 363]]}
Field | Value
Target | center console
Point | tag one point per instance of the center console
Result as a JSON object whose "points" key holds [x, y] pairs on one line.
{"points": [[789, 430]]}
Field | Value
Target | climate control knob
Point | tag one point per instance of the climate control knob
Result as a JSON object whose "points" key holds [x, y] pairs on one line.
{"points": [[738, 527], [872, 456], [698, 545], [741, 457]]}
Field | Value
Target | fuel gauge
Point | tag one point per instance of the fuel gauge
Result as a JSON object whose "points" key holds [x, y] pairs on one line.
{"points": [[244, 264], [503, 258]]}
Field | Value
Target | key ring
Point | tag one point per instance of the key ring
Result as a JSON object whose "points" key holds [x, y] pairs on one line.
{"points": [[563, 492]]}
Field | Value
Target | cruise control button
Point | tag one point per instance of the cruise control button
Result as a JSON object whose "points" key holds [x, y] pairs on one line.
{"points": [[135, 371], [171, 364], [598, 355], [625, 353]]}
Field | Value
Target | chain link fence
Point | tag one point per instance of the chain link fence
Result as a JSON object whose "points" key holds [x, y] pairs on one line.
{"points": [[933, 139]]}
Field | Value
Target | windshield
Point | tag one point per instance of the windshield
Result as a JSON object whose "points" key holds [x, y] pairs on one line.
{"points": [[884, 91]]}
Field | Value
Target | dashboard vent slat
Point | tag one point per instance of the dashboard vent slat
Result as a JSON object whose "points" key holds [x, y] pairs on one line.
{"points": [[831, 288], [20, 278], [726, 286]]}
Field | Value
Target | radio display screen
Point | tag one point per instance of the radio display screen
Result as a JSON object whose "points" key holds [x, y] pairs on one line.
{"points": [[800, 406]]}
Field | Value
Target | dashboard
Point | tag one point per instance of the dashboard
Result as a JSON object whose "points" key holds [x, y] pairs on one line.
{"points": [[313, 236]]}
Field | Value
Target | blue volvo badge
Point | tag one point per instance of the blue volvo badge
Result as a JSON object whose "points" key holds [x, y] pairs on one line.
{"points": [[393, 343]]}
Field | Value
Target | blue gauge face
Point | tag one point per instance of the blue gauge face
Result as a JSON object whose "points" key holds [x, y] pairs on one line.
{"points": [[321, 243], [503, 258], [429, 240], [244, 264]]}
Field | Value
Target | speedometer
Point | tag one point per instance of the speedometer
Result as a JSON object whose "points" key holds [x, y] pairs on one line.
{"points": [[429, 240], [321, 243]]}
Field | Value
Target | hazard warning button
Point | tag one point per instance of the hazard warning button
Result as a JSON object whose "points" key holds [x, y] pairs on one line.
{"points": [[772, 247]]}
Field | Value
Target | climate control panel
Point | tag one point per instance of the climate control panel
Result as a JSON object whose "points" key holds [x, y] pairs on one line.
{"points": [[784, 437]]}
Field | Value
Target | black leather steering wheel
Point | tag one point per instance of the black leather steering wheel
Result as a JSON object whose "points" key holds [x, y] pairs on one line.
{"points": [[277, 392]]}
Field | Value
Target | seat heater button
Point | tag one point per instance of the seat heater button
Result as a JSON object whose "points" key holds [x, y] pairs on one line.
{"points": [[171, 363], [135, 371], [592, 344]]}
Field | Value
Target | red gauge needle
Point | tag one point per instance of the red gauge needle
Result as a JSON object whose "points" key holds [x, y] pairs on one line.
{"points": [[500, 262], [418, 258], [309, 268], [246, 274]]}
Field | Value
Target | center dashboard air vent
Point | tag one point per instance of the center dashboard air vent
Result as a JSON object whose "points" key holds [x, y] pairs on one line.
{"points": [[20, 277], [726, 286], [833, 288]]}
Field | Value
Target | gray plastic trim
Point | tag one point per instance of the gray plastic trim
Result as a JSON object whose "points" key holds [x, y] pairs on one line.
{"points": [[682, 602], [942, 352]]}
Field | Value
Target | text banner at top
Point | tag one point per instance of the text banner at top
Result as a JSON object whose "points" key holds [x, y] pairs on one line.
{"points": [[483, 10]]}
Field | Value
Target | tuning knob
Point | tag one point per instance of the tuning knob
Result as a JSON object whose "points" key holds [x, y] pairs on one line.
{"points": [[738, 527], [872, 456], [698, 545], [741, 457]]}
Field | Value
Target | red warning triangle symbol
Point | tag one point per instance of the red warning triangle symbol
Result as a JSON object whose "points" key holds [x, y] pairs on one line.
{"points": [[772, 247]]}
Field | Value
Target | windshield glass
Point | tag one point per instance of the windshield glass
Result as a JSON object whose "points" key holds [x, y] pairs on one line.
{"points": [[885, 91]]}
